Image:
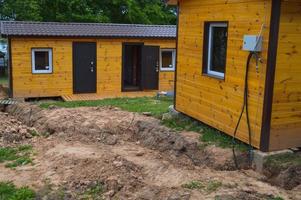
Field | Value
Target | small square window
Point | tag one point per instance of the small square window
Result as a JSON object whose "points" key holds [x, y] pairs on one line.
{"points": [[215, 48], [41, 61], [168, 59]]}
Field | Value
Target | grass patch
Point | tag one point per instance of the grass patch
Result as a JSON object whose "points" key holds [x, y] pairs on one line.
{"points": [[95, 192], [194, 185], [283, 161], [213, 186], [209, 135], [183, 124], [209, 187], [276, 198], [3, 80], [16, 156], [156, 107], [34, 133], [9, 191]]}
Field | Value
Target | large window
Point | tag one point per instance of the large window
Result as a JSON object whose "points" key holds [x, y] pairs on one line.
{"points": [[41, 61], [215, 48], [168, 59]]}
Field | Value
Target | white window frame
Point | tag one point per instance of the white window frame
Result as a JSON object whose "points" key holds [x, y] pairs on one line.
{"points": [[173, 59], [50, 67], [210, 43]]}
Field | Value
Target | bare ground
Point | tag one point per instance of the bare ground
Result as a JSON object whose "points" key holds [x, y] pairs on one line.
{"points": [[133, 156]]}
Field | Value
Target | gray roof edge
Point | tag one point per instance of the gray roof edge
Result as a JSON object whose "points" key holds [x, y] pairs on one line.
{"points": [[88, 23], [164, 31]]}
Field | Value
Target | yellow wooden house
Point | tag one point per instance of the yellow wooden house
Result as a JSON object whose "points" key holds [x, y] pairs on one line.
{"points": [[87, 61], [237, 53]]}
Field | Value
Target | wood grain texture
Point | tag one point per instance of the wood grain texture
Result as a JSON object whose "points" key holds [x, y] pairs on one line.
{"points": [[213, 101], [60, 82], [286, 110]]}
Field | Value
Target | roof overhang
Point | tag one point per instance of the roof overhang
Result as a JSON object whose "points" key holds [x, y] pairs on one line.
{"points": [[86, 30]]}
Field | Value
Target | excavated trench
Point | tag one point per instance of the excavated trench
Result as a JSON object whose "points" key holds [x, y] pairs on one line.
{"points": [[131, 155]]}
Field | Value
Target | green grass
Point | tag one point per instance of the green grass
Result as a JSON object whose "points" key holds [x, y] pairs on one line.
{"points": [[209, 187], [8, 191], [155, 106], [95, 192], [209, 135], [213, 186], [16, 156], [283, 161], [194, 185], [34, 133], [276, 198], [3, 80]]}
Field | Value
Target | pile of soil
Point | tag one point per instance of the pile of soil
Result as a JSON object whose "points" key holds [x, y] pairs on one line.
{"points": [[131, 155], [110, 125], [13, 131]]}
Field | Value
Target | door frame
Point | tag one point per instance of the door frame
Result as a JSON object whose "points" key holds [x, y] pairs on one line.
{"points": [[141, 44], [73, 65]]}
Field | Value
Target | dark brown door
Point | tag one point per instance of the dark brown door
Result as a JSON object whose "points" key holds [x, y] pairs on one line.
{"points": [[150, 67], [84, 67]]}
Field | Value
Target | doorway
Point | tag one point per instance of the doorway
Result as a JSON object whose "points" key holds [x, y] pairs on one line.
{"points": [[132, 67], [84, 67], [140, 69]]}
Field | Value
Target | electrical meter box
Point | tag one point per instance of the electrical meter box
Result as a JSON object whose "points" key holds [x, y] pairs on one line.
{"points": [[252, 43]]}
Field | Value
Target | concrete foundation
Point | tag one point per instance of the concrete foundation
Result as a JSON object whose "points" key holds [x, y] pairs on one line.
{"points": [[260, 157]]}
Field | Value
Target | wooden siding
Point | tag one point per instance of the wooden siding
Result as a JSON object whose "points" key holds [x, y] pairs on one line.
{"points": [[60, 82], [213, 101], [286, 110]]}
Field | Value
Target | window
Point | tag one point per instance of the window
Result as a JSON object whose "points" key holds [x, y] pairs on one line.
{"points": [[41, 61], [215, 48], [168, 59]]}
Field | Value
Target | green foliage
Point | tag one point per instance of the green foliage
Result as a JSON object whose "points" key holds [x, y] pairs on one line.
{"points": [[15, 157], [20, 10], [156, 107], [9, 191], [115, 11]]}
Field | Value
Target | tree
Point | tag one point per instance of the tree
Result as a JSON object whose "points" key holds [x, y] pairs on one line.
{"points": [[115, 11], [20, 10]]}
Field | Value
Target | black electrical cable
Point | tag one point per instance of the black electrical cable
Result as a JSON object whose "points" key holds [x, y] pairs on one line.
{"points": [[245, 106]]}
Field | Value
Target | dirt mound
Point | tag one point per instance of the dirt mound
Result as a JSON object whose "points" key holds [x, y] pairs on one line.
{"points": [[121, 155], [12, 131], [111, 125]]}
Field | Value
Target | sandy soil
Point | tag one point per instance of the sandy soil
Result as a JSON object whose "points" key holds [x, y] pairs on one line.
{"points": [[133, 156]]}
